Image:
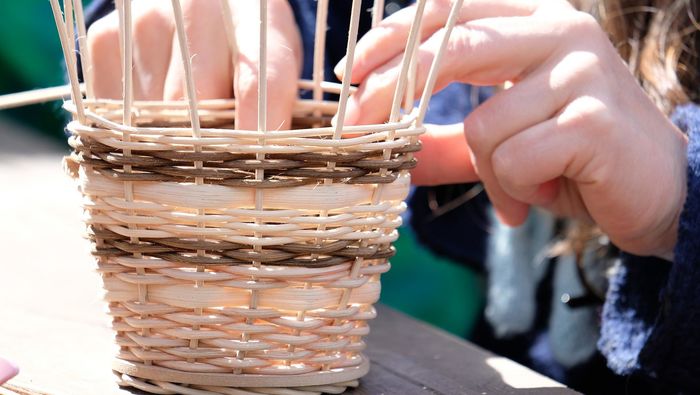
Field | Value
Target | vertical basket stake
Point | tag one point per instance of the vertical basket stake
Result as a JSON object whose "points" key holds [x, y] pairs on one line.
{"points": [[349, 58], [410, 96], [319, 52], [192, 106], [76, 95], [377, 12], [126, 44], [318, 76], [85, 60], [190, 90], [227, 14], [124, 7], [432, 75], [408, 59], [340, 119]]}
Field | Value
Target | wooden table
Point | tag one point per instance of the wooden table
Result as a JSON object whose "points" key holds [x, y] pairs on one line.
{"points": [[52, 320]]}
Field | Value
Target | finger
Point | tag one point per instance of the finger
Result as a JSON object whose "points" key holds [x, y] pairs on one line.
{"points": [[284, 56], [103, 44], [509, 210], [527, 103], [530, 165], [444, 158], [388, 39], [483, 52], [209, 53], [152, 40]]}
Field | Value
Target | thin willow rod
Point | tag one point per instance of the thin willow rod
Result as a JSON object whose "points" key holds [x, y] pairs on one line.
{"points": [[378, 128], [68, 15], [76, 95], [410, 97], [43, 95], [377, 12], [435, 66], [349, 59], [191, 92], [407, 60], [186, 63], [319, 49], [262, 97], [230, 29], [36, 96], [85, 60]]}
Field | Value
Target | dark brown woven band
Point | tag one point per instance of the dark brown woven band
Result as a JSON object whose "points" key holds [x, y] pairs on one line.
{"points": [[184, 251], [222, 168]]}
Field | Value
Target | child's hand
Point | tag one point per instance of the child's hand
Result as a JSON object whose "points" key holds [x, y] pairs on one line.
{"points": [[8, 370], [576, 134], [158, 71]]}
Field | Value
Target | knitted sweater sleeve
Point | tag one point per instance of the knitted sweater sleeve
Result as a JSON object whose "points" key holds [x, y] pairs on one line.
{"points": [[651, 318]]}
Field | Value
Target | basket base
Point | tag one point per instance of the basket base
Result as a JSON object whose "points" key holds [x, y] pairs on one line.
{"points": [[160, 380]]}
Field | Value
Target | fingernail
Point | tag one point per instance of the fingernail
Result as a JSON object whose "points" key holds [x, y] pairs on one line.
{"points": [[8, 370], [339, 69]]}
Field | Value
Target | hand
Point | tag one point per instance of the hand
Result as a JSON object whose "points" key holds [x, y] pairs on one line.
{"points": [[8, 370], [575, 134], [158, 71]]}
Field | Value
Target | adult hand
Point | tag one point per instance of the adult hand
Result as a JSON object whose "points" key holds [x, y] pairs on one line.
{"points": [[575, 134], [158, 71]]}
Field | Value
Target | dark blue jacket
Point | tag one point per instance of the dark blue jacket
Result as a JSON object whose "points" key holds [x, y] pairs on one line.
{"points": [[651, 318]]}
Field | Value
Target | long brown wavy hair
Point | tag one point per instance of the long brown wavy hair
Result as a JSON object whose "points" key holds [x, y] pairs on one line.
{"points": [[660, 40]]}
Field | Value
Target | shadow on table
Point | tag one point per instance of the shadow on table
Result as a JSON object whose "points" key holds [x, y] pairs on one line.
{"points": [[409, 357]]}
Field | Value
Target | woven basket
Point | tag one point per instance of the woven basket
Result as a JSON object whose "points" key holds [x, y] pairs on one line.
{"points": [[234, 261]]}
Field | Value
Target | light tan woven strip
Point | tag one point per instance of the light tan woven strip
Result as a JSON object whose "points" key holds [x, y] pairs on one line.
{"points": [[435, 66], [76, 95], [368, 132]]}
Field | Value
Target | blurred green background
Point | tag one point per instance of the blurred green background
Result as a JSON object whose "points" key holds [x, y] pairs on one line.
{"points": [[421, 284]]}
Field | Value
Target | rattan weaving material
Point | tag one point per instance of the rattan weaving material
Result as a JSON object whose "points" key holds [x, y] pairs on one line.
{"points": [[234, 261]]}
